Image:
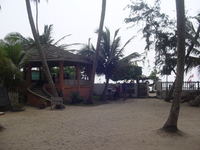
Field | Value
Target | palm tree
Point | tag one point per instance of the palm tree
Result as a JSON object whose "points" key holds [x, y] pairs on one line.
{"points": [[110, 56], [193, 53], [172, 121], [10, 64], [192, 56], [39, 48], [95, 60], [45, 38]]}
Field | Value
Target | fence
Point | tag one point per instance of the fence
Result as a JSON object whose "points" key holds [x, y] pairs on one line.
{"points": [[132, 89], [186, 85], [163, 87]]}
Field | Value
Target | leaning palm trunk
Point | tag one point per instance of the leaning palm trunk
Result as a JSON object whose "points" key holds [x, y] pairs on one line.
{"points": [[170, 93], [169, 96], [90, 99], [103, 96], [172, 121], [39, 47]]}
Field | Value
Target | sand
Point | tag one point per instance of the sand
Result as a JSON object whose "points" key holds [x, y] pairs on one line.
{"points": [[130, 125]]}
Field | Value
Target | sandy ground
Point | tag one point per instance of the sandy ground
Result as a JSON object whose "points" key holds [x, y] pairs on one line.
{"points": [[129, 125]]}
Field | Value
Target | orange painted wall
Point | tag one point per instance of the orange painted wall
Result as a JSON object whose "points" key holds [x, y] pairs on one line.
{"points": [[34, 100]]}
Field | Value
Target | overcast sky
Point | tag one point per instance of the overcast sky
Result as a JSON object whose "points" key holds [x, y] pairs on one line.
{"points": [[79, 18]]}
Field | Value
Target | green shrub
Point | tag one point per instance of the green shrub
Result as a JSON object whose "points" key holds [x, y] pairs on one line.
{"points": [[76, 97]]}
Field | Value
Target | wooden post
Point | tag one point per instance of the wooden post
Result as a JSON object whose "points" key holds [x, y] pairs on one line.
{"points": [[78, 75], [29, 76], [61, 76]]}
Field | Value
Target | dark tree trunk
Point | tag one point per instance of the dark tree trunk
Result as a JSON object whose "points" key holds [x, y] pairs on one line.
{"points": [[103, 11], [103, 96], [138, 87], [169, 96], [172, 121], [39, 48], [170, 93]]}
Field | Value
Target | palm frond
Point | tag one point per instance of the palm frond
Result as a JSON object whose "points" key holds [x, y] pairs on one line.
{"points": [[116, 33], [56, 43], [17, 37], [127, 42], [192, 62]]}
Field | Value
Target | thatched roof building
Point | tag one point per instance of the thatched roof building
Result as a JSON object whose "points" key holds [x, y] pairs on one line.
{"points": [[54, 54]]}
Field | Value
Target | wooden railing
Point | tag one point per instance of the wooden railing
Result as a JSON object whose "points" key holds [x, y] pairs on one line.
{"points": [[74, 82]]}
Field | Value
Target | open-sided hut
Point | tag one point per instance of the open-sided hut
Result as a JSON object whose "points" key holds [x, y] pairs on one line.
{"points": [[61, 60]]}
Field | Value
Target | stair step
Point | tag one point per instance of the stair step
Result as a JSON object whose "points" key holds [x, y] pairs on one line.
{"points": [[40, 91]]}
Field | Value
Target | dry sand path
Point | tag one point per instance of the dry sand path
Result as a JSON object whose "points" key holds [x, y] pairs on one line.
{"points": [[129, 125]]}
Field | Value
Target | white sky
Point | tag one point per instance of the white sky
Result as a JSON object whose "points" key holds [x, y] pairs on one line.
{"points": [[81, 18]]}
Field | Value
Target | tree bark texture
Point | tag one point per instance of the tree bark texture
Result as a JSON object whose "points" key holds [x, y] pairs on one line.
{"points": [[103, 96], [39, 48], [172, 121], [90, 99], [170, 93]]}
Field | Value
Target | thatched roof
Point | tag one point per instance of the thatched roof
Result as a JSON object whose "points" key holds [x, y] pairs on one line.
{"points": [[53, 53]]}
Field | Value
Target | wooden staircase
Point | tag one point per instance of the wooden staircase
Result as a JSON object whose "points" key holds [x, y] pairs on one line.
{"points": [[39, 91]]}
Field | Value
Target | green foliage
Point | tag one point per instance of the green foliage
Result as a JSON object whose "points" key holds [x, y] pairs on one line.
{"points": [[45, 38], [111, 57], [128, 72], [157, 29], [54, 70], [159, 32], [193, 51], [70, 71], [153, 74], [76, 97], [151, 19], [10, 54]]}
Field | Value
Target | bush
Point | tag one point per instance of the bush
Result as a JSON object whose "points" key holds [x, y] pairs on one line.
{"points": [[75, 97]]}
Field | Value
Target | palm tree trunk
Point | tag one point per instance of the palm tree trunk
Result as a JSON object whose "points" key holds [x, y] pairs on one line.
{"points": [[169, 96], [171, 90], [39, 47], [37, 17], [172, 121], [90, 99], [103, 95]]}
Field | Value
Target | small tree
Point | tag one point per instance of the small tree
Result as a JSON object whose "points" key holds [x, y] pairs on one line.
{"points": [[110, 56], [10, 53]]}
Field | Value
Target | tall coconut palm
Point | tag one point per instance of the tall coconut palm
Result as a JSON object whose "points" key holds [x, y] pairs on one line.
{"points": [[172, 121], [39, 48], [95, 60], [110, 56]]}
